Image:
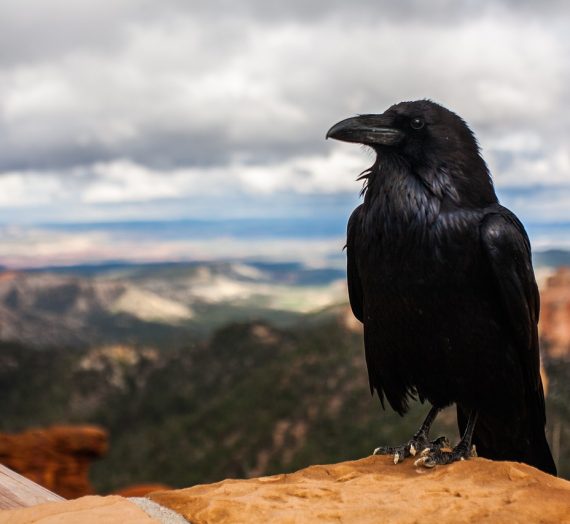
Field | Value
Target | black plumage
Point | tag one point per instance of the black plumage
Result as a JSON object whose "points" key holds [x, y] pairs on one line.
{"points": [[440, 275]]}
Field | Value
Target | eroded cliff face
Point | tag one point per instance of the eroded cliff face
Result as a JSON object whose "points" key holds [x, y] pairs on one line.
{"points": [[554, 323], [57, 458]]}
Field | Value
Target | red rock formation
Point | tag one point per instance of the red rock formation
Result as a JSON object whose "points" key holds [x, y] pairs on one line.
{"points": [[554, 327], [140, 490], [58, 457]]}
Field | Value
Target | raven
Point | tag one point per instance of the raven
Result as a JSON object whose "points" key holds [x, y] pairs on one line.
{"points": [[440, 274]]}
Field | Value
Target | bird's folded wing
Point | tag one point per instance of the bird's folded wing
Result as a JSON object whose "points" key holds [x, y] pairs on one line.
{"points": [[508, 249]]}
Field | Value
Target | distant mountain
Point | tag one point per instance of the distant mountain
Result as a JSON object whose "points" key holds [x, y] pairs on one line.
{"points": [[167, 303], [551, 258], [43, 309], [161, 304], [295, 273]]}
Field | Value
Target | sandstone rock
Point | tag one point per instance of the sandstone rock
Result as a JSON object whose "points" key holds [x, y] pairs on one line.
{"points": [[554, 326], [57, 458], [140, 490], [86, 510], [371, 490], [374, 490]]}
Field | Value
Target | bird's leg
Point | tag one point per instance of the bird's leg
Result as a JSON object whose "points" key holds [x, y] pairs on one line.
{"points": [[464, 450], [418, 443]]}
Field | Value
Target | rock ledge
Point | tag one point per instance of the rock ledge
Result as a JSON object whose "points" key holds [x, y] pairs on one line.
{"points": [[371, 490], [374, 490]]}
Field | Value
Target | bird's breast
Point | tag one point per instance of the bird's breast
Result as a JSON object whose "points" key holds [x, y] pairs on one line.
{"points": [[407, 254]]}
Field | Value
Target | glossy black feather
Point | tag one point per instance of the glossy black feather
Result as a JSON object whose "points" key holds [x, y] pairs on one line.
{"points": [[354, 286], [440, 275], [508, 248]]}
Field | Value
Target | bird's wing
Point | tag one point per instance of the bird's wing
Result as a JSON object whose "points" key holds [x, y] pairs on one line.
{"points": [[354, 285], [508, 249]]}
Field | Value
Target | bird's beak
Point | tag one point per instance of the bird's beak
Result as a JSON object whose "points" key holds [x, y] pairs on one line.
{"points": [[368, 130]]}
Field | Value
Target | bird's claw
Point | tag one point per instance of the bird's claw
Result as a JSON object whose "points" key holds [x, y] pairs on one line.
{"points": [[411, 449], [431, 458], [425, 461]]}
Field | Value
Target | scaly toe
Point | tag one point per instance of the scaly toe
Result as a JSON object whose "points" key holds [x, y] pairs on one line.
{"points": [[386, 450], [424, 461], [433, 458], [440, 442], [429, 462], [412, 448]]}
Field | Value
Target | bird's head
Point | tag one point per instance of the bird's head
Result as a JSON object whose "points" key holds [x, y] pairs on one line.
{"points": [[427, 137]]}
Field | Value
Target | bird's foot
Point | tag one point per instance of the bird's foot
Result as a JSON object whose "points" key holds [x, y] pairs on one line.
{"points": [[417, 444], [430, 459]]}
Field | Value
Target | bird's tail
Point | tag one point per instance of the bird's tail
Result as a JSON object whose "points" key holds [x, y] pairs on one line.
{"points": [[521, 441]]}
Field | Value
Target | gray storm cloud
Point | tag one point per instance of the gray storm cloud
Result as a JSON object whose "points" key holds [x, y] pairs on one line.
{"points": [[187, 97]]}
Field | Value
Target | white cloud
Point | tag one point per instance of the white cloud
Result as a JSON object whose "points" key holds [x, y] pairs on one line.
{"points": [[29, 189], [178, 90], [334, 173], [140, 102], [123, 181], [532, 167]]}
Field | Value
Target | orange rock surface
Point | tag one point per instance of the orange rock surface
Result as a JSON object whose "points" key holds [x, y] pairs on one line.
{"points": [[140, 490], [371, 490], [374, 490], [86, 510], [57, 458], [554, 326]]}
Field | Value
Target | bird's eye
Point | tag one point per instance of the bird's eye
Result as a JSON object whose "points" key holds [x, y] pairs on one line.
{"points": [[417, 123]]}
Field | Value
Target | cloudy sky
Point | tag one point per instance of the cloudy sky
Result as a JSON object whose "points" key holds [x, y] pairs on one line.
{"points": [[137, 110]]}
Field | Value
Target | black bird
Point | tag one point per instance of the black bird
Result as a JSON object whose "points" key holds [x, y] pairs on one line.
{"points": [[440, 274]]}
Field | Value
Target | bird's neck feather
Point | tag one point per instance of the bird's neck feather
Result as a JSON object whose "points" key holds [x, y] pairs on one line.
{"points": [[397, 187]]}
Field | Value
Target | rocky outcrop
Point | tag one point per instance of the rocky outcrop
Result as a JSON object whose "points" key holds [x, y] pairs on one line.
{"points": [[371, 490], [57, 458], [374, 490], [43, 309], [140, 490], [554, 324]]}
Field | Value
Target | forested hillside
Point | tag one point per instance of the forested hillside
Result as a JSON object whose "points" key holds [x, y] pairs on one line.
{"points": [[252, 399]]}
